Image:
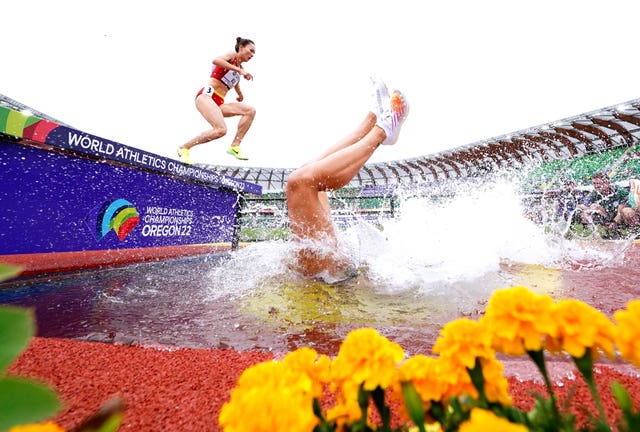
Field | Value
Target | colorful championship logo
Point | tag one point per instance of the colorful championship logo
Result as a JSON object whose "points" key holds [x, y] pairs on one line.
{"points": [[118, 215]]}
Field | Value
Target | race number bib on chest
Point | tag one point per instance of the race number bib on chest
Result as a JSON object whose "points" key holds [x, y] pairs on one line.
{"points": [[230, 79]]}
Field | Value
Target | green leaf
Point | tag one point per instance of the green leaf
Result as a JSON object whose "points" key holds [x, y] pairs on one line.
{"points": [[23, 401], [8, 271], [107, 419], [414, 404], [112, 423], [437, 411], [17, 327], [456, 414], [621, 396], [546, 417]]}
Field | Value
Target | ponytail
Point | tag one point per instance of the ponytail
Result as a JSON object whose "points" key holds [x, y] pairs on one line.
{"points": [[240, 42]]}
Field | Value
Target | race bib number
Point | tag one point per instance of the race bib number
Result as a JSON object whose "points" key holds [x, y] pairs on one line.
{"points": [[208, 90], [231, 78]]}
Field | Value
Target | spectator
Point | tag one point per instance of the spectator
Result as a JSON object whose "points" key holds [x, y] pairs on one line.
{"points": [[607, 205], [567, 199]]}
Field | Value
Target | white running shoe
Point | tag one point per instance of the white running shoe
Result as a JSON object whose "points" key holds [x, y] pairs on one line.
{"points": [[379, 95], [394, 113]]}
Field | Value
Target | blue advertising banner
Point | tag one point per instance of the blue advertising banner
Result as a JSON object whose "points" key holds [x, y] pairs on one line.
{"points": [[72, 139], [19, 125], [53, 202]]}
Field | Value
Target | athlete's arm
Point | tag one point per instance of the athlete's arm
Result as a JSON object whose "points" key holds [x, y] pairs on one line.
{"points": [[224, 62], [240, 97]]}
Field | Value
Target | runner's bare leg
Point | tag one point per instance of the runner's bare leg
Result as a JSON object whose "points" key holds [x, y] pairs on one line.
{"points": [[309, 215]]}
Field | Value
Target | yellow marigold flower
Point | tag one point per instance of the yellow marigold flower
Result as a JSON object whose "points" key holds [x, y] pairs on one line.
{"points": [[306, 360], [367, 358], [462, 341], [483, 421], [581, 327], [276, 374], [496, 386], [627, 332], [519, 320], [40, 427], [270, 396], [424, 373], [457, 378], [346, 409]]}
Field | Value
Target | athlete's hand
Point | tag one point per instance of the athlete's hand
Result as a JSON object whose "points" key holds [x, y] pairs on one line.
{"points": [[247, 75], [240, 97]]}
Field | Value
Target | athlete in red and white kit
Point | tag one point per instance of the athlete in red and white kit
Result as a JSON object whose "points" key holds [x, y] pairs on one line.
{"points": [[210, 100]]}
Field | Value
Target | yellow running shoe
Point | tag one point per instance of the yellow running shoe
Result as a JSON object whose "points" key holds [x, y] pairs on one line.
{"points": [[235, 151], [184, 156]]}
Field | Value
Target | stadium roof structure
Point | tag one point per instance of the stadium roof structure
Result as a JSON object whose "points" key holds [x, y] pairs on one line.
{"points": [[593, 132], [589, 133]]}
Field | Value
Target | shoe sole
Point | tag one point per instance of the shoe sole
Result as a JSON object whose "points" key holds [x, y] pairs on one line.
{"points": [[400, 104]]}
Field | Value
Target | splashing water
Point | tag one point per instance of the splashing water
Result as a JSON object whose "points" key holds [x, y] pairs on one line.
{"points": [[437, 260], [249, 269], [454, 241], [468, 236], [430, 245]]}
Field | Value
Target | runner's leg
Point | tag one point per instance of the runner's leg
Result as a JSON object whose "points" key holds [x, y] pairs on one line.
{"points": [[309, 215], [213, 115]]}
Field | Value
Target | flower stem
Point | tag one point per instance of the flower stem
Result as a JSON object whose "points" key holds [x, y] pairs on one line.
{"points": [[538, 359], [478, 382], [585, 366]]}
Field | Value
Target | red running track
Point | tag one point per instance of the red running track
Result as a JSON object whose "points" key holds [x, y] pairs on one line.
{"points": [[184, 389]]}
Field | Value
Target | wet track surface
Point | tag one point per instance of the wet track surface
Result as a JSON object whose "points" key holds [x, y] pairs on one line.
{"points": [[184, 302]]}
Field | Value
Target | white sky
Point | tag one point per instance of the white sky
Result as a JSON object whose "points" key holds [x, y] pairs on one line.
{"points": [[128, 70]]}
